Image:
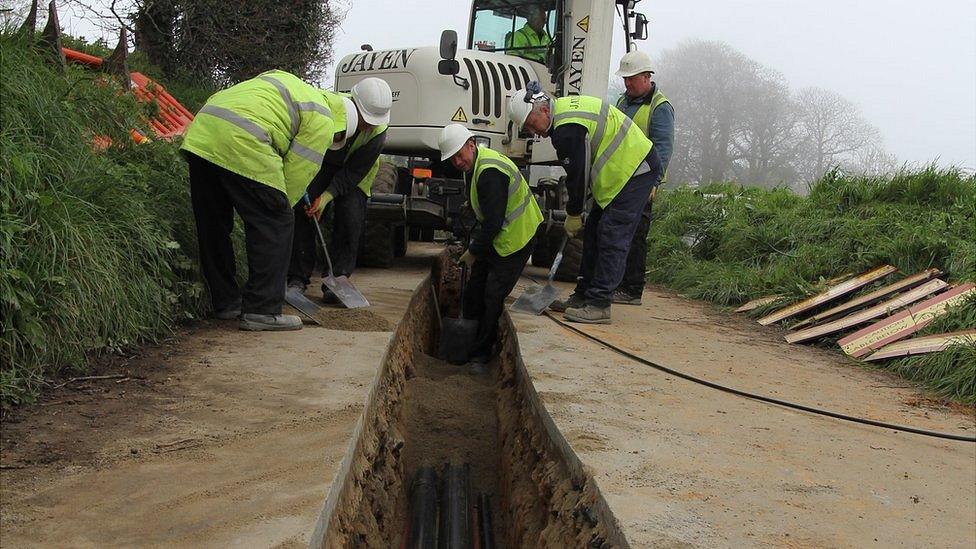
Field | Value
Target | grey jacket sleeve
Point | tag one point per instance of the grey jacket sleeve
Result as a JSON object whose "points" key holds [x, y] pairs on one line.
{"points": [[355, 168], [662, 132]]}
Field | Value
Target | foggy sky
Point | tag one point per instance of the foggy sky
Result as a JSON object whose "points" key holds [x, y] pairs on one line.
{"points": [[910, 66]]}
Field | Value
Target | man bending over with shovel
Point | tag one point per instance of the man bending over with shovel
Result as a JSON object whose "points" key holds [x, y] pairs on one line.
{"points": [[253, 148], [345, 181], [607, 156], [508, 215]]}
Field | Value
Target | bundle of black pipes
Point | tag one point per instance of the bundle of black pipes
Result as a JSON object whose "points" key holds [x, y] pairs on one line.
{"points": [[461, 522]]}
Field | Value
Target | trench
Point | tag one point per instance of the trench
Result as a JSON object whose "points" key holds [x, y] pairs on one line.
{"points": [[446, 456]]}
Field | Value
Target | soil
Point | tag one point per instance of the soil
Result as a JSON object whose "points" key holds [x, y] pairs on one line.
{"points": [[449, 416], [222, 437], [684, 465], [425, 413], [348, 320]]}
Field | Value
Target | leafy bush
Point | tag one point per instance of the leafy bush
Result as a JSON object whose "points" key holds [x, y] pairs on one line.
{"points": [[98, 243]]}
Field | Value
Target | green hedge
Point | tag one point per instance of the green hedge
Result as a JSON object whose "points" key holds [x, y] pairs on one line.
{"points": [[98, 246], [727, 244]]}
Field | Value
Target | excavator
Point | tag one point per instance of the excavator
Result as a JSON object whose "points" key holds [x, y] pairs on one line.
{"points": [[436, 86]]}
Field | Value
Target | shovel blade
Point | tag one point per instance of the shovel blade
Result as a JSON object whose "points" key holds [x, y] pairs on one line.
{"points": [[457, 338], [345, 291], [536, 299], [304, 305]]}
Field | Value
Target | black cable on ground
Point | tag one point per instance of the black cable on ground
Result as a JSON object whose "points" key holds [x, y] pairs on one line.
{"points": [[761, 398]]}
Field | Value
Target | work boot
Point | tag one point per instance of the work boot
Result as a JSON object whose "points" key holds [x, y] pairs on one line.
{"points": [[626, 298], [328, 297], [253, 322], [228, 314], [588, 314], [560, 305], [297, 284]]}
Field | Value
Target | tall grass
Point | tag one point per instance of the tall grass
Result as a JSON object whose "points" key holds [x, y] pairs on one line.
{"points": [[952, 372], [727, 243], [97, 245]]}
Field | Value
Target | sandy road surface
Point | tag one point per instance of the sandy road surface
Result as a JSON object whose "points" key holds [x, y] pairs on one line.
{"points": [[237, 436], [232, 438], [683, 464]]}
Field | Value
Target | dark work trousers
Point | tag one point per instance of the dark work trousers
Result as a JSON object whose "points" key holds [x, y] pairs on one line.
{"points": [[635, 272], [492, 279], [349, 221], [606, 240], [215, 194]]}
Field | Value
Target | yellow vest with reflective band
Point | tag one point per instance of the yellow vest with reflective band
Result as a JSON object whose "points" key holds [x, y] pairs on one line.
{"points": [[526, 37], [617, 145], [643, 116], [522, 213], [273, 129], [366, 183]]}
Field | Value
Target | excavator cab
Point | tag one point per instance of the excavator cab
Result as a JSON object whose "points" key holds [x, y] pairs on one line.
{"points": [[522, 29]]}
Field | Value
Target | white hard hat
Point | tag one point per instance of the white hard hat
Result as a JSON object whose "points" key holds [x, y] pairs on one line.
{"points": [[633, 63], [352, 123], [520, 104], [374, 99], [518, 108], [452, 138]]}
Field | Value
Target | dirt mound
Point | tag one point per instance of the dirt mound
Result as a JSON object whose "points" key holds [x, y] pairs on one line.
{"points": [[353, 320], [347, 320]]}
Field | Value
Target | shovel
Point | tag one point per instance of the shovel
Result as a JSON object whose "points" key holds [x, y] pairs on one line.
{"points": [[457, 334], [534, 300], [304, 305], [340, 285]]}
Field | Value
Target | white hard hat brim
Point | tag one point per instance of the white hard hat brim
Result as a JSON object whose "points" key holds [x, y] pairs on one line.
{"points": [[452, 151], [370, 118], [352, 123], [628, 74]]}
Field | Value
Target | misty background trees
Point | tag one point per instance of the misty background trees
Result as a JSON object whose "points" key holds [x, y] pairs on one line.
{"points": [[211, 42], [737, 120]]}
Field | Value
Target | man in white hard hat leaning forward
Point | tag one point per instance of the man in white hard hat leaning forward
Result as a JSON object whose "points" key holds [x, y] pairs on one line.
{"points": [[643, 103], [345, 181], [508, 217], [253, 148], [604, 153]]}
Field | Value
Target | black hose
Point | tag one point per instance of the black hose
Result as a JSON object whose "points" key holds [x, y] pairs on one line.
{"points": [[761, 398], [455, 528], [423, 510], [487, 530]]}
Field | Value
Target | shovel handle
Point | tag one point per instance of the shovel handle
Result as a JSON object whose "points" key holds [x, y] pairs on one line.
{"points": [[558, 259], [464, 277], [325, 249]]}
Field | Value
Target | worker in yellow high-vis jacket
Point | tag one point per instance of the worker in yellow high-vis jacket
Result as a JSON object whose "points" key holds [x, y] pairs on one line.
{"points": [[531, 41], [508, 216], [608, 157], [643, 102], [253, 148], [345, 181]]}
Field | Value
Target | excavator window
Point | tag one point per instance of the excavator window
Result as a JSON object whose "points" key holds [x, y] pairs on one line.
{"points": [[523, 29]]}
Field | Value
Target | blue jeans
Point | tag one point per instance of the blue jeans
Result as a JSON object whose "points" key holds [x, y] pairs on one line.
{"points": [[607, 236]]}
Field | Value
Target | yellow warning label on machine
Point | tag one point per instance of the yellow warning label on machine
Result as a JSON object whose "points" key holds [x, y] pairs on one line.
{"points": [[584, 24], [459, 115]]}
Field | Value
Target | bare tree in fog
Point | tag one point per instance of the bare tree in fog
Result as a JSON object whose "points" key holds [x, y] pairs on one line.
{"points": [[833, 131], [738, 120]]}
